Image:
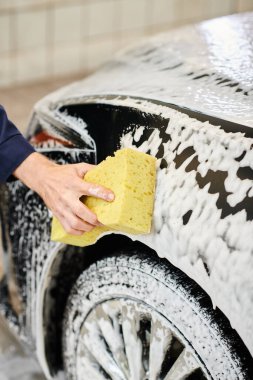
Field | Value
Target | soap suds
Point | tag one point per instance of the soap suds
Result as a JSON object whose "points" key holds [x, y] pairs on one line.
{"points": [[190, 67], [223, 244], [106, 311], [187, 68]]}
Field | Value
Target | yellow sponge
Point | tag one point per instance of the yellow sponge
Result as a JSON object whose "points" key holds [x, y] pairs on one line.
{"points": [[131, 176]]}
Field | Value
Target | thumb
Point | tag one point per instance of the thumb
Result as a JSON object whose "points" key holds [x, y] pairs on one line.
{"points": [[83, 168]]}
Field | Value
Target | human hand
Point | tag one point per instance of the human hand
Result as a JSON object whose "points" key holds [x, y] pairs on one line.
{"points": [[61, 187]]}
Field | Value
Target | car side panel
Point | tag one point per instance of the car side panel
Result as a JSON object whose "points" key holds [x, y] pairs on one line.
{"points": [[203, 209]]}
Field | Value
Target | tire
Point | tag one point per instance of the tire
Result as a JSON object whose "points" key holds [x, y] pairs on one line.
{"points": [[136, 317]]}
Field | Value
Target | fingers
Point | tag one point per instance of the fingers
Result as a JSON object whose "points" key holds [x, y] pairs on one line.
{"points": [[65, 224], [62, 192], [97, 191], [83, 168], [73, 225], [92, 189], [78, 220], [84, 213]]}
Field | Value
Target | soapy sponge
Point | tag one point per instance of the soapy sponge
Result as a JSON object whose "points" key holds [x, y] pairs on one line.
{"points": [[131, 176]]}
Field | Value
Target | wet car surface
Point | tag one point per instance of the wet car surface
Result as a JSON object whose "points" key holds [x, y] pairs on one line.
{"points": [[199, 252]]}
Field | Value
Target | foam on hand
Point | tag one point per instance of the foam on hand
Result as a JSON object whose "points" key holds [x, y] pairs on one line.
{"points": [[130, 174]]}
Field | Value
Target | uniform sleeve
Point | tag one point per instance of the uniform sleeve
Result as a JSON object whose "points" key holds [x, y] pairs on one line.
{"points": [[14, 148]]}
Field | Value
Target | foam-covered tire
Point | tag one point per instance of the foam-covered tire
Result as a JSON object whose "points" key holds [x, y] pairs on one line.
{"points": [[166, 294]]}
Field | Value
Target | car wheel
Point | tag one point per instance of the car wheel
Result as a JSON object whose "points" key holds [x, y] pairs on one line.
{"points": [[135, 317]]}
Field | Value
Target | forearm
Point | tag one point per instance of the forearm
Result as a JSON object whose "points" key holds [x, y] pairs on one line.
{"points": [[32, 171]]}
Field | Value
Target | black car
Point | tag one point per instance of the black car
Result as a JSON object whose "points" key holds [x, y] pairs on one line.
{"points": [[174, 304]]}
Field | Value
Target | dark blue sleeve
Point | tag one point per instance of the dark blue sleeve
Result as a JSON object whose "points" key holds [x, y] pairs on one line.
{"points": [[14, 148]]}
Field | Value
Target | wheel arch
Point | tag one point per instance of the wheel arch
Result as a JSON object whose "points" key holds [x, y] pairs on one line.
{"points": [[63, 273], [64, 270], [126, 270]]}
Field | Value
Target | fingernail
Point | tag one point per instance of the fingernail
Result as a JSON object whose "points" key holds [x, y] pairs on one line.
{"points": [[110, 197]]}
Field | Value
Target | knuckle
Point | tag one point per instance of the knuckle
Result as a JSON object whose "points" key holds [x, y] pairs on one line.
{"points": [[69, 229], [75, 232], [80, 210], [82, 190], [57, 209], [89, 228], [87, 215], [92, 219], [75, 225]]}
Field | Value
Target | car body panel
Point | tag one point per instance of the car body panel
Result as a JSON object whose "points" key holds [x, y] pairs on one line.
{"points": [[203, 141], [207, 67]]}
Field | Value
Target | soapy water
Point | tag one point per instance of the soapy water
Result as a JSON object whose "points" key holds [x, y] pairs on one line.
{"points": [[189, 67], [230, 236]]}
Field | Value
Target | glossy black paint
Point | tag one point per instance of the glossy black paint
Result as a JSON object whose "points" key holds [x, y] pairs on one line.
{"points": [[105, 124]]}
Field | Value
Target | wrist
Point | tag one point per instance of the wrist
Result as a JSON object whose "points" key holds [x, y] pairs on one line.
{"points": [[32, 171]]}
